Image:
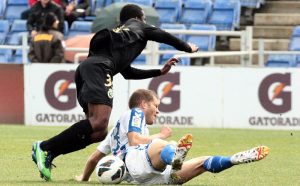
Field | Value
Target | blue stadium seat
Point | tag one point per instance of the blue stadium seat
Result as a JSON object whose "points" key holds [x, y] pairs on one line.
{"points": [[2, 8], [195, 11], [140, 60], [16, 31], [162, 46], [252, 3], [204, 42], [14, 8], [225, 14], [294, 44], [298, 61], [5, 55], [4, 28], [80, 28], [280, 60], [17, 57], [92, 16], [174, 27], [142, 2], [168, 10]]}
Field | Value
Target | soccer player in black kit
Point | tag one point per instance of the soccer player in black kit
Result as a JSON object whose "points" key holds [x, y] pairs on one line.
{"points": [[111, 52]]}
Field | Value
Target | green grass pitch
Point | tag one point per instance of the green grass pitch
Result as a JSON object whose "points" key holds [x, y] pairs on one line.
{"points": [[281, 167]]}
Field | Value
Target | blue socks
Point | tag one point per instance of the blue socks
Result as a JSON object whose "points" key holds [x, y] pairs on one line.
{"points": [[167, 154], [216, 164]]}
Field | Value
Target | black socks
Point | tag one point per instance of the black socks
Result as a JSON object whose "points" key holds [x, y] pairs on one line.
{"points": [[74, 138]]}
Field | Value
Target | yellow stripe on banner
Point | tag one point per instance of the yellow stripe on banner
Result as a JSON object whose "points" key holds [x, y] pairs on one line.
{"points": [[43, 37]]}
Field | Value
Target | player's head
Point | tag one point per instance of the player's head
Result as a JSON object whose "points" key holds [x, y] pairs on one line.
{"points": [[131, 11], [146, 100]]}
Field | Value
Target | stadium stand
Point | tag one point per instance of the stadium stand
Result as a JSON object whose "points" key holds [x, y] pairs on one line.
{"points": [[80, 28], [14, 36], [276, 60], [168, 10], [252, 3], [14, 8], [140, 60], [172, 26], [225, 14], [195, 11], [2, 8], [205, 42], [4, 28], [66, 28], [295, 39], [165, 57], [142, 2], [5, 55]]}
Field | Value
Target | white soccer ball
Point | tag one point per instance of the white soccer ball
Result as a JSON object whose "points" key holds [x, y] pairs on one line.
{"points": [[110, 170]]}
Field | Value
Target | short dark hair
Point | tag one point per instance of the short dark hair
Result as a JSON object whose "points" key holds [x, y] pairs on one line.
{"points": [[140, 95], [130, 11], [48, 21]]}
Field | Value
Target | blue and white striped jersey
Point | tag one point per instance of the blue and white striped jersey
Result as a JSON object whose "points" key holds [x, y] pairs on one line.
{"points": [[116, 142]]}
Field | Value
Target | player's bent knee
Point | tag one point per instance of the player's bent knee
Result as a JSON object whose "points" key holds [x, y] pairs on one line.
{"points": [[167, 154]]}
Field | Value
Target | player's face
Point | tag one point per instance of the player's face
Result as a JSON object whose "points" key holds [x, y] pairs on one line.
{"points": [[143, 18], [151, 111]]}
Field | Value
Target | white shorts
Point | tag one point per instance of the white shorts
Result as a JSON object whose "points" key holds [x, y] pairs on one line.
{"points": [[139, 167]]}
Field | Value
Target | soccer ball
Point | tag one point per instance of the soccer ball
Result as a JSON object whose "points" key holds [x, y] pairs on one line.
{"points": [[110, 170]]}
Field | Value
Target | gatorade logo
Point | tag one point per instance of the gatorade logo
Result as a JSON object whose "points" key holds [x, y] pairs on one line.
{"points": [[164, 86], [273, 95], [58, 91]]}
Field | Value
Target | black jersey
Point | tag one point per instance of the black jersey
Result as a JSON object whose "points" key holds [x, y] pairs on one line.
{"points": [[123, 44]]}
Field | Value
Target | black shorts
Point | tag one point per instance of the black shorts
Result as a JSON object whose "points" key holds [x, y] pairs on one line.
{"points": [[94, 82]]}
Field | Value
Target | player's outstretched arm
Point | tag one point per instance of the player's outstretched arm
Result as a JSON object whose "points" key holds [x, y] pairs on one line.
{"points": [[90, 166]]}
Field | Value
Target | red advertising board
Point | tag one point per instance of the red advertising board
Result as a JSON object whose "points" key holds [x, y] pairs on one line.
{"points": [[11, 94]]}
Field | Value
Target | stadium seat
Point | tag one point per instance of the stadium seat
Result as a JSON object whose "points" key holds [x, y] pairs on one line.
{"points": [[140, 60], [18, 28], [204, 42], [2, 8], [80, 28], [195, 11], [298, 61], [252, 3], [4, 28], [225, 14], [14, 8], [280, 60], [164, 26], [162, 46], [294, 44], [5, 55], [142, 2], [168, 10]]}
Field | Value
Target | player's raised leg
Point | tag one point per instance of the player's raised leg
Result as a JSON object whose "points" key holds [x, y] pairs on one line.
{"points": [[216, 164]]}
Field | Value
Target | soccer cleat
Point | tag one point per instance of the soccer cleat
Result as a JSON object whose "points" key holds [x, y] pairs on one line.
{"points": [[183, 146], [43, 161], [251, 155]]}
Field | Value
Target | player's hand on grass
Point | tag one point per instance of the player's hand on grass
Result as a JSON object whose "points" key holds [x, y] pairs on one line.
{"points": [[167, 67], [165, 132], [194, 47]]}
